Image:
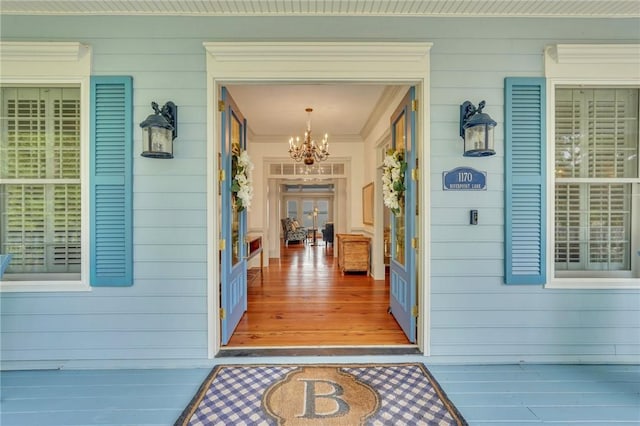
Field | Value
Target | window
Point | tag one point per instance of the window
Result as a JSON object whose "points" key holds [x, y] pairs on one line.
{"points": [[596, 181], [593, 151], [45, 97], [40, 188], [292, 209], [303, 199]]}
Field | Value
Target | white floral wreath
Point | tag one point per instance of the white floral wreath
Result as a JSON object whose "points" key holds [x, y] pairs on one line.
{"points": [[242, 186], [393, 180]]}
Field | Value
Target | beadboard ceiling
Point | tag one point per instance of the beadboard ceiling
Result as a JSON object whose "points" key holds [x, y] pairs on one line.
{"points": [[453, 8]]}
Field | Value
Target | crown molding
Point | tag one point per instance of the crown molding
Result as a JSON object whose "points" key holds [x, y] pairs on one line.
{"points": [[317, 52], [41, 52], [595, 53]]}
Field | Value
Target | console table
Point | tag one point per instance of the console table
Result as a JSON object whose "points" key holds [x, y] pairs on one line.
{"points": [[254, 247]]}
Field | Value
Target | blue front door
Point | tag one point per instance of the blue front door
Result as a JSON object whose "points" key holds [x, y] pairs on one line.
{"points": [[233, 268], [403, 276]]}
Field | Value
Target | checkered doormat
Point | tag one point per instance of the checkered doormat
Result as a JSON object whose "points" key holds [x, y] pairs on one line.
{"points": [[344, 395]]}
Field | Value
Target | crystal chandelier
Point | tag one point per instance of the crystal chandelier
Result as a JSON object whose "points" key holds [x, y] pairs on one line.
{"points": [[309, 151]]}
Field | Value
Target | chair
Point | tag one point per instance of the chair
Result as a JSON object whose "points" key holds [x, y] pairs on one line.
{"points": [[291, 232], [327, 233]]}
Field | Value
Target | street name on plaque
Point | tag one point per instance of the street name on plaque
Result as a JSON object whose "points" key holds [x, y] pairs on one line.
{"points": [[464, 179]]}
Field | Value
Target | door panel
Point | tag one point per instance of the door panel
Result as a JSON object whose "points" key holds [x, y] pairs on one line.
{"points": [[403, 277], [233, 268]]}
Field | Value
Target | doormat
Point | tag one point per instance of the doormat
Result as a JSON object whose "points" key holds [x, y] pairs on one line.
{"points": [[340, 395]]}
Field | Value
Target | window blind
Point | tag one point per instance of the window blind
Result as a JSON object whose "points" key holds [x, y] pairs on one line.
{"points": [[40, 171], [596, 150]]}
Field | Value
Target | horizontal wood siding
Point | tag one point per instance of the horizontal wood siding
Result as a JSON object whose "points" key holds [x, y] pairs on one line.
{"points": [[163, 316]]}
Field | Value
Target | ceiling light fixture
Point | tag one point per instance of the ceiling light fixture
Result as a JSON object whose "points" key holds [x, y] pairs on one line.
{"points": [[309, 151]]}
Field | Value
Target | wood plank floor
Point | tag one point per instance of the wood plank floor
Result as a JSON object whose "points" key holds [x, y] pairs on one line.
{"points": [[506, 395], [303, 300]]}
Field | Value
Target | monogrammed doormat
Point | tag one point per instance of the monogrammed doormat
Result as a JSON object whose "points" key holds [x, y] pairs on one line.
{"points": [[344, 395]]}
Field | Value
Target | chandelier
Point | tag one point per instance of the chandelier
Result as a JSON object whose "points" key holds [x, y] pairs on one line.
{"points": [[309, 151]]}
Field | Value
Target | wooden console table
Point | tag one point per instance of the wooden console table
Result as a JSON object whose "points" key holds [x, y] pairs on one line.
{"points": [[254, 248]]}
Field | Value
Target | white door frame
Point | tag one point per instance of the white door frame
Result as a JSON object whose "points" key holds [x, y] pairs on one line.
{"points": [[289, 62]]}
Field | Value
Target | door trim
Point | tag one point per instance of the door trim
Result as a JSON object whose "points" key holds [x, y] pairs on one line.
{"points": [[289, 62]]}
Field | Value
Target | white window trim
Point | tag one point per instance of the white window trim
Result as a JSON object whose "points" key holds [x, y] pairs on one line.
{"points": [[589, 65], [45, 64]]}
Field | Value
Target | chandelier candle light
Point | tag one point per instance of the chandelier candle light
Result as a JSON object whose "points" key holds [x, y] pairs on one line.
{"points": [[309, 151]]}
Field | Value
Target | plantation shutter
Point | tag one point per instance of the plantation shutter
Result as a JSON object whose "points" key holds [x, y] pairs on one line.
{"points": [[596, 134], [40, 161], [525, 189], [111, 181]]}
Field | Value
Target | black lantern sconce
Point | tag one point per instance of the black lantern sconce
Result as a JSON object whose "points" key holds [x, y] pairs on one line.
{"points": [[476, 129], [159, 130]]}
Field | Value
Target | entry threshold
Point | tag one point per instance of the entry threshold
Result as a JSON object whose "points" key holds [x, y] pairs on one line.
{"points": [[318, 351]]}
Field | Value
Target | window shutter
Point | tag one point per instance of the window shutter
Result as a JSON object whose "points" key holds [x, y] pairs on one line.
{"points": [[111, 181], [525, 185]]}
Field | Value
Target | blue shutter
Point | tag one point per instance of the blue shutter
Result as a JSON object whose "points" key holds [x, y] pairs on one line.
{"points": [[525, 181], [111, 181]]}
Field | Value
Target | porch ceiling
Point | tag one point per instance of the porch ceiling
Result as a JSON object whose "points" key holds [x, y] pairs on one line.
{"points": [[453, 8]]}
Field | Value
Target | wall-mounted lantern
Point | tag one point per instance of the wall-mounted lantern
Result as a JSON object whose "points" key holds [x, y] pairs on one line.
{"points": [[159, 130], [476, 129]]}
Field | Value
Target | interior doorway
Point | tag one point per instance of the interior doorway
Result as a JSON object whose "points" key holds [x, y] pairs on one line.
{"points": [[380, 62]]}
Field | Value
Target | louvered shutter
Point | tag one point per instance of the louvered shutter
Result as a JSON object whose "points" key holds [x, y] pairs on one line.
{"points": [[111, 181], [525, 189]]}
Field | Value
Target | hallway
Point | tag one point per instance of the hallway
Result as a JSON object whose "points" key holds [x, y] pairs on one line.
{"points": [[303, 300]]}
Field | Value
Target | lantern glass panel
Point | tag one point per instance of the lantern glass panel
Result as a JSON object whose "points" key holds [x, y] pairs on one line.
{"points": [[478, 140], [157, 142], [474, 138]]}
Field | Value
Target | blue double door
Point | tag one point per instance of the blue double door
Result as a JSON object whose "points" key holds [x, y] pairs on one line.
{"points": [[233, 267]]}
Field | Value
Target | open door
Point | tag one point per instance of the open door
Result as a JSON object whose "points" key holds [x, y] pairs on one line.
{"points": [[402, 270], [233, 268]]}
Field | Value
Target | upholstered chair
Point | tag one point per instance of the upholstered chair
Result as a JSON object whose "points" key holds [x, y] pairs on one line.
{"points": [[291, 232], [327, 233]]}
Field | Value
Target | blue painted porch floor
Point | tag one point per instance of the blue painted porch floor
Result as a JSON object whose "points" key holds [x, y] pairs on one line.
{"points": [[522, 394]]}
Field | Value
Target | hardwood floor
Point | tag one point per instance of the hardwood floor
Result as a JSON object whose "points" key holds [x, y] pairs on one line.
{"points": [[303, 300]]}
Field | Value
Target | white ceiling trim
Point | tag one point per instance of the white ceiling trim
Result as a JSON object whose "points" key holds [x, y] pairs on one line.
{"points": [[441, 8]]}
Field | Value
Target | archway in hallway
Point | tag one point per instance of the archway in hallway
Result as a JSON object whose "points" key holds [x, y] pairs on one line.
{"points": [[388, 63]]}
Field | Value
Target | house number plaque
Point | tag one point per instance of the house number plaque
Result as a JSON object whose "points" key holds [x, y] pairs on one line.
{"points": [[464, 179]]}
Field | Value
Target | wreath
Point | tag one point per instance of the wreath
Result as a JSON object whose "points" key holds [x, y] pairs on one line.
{"points": [[393, 188], [241, 186]]}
